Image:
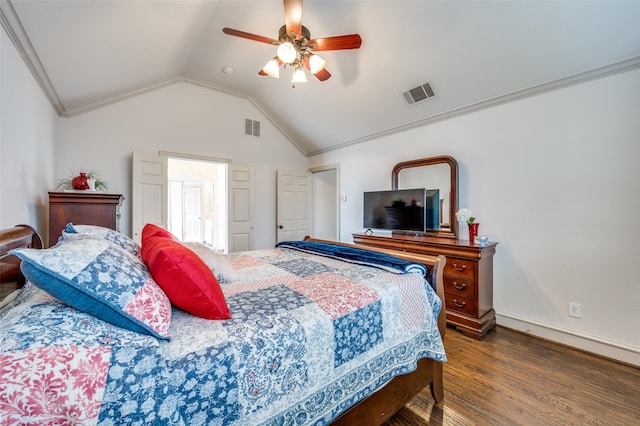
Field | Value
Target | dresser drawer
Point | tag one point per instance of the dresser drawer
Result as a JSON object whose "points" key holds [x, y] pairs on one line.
{"points": [[457, 303], [459, 267], [462, 286]]}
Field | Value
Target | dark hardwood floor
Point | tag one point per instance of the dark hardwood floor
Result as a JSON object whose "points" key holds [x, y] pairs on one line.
{"points": [[515, 379]]}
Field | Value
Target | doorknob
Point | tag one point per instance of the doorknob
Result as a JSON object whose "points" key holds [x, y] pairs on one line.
{"points": [[280, 227]]}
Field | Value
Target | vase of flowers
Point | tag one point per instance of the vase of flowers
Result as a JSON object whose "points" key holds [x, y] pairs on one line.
{"points": [[86, 181], [465, 215]]}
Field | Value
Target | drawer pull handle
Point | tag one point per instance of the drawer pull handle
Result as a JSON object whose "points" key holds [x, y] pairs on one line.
{"points": [[459, 268], [459, 286], [459, 305]]}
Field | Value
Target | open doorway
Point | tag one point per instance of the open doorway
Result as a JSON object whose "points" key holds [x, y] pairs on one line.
{"points": [[326, 210], [198, 201]]}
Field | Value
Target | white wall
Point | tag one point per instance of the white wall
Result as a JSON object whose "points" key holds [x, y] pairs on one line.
{"points": [[183, 118], [26, 143], [555, 180]]}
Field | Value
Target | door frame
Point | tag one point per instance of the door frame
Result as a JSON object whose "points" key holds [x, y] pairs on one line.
{"points": [[319, 208], [217, 191], [161, 179]]}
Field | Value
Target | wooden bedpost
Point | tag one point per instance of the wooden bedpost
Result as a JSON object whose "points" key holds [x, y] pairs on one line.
{"points": [[12, 238], [437, 385]]}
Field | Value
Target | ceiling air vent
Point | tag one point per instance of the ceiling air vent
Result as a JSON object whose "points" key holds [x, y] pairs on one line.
{"points": [[251, 127], [419, 94]]}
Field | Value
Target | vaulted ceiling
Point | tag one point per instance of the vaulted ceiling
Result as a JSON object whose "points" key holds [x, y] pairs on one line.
{"points": [[473, 53]]}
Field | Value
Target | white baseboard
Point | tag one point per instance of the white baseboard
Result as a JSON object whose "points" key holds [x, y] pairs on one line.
{"points": [[596, 345]]}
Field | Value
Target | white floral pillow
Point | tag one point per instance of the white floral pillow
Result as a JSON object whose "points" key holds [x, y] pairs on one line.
{"points": [[98, 277], [115, 237]]}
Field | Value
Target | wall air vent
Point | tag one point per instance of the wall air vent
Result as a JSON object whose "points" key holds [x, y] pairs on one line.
{"points": [[251, 127], [419, 94]]}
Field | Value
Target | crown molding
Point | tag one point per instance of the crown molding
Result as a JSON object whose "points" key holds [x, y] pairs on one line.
{"points": [[180, 79], [18, 36], [119, 97], [593, 74]]}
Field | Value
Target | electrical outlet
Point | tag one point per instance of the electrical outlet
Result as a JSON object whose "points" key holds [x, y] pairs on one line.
{"points": [[574, 310]]}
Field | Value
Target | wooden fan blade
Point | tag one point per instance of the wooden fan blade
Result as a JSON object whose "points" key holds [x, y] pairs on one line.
{"points": [[254, 37], [293, 16], [323, 74], [351, 41]]}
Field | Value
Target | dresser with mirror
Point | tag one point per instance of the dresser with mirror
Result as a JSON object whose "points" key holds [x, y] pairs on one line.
{"points": [[468, 273]]}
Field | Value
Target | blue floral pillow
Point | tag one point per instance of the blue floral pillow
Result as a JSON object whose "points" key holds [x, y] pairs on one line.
{"points": [[115, 237], [98, 277]]}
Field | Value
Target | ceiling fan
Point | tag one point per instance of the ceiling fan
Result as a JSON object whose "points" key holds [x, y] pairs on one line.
{"points": [[296, 48]]}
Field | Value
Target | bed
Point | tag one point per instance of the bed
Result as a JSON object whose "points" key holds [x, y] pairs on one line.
{"points": [[311, 339]]}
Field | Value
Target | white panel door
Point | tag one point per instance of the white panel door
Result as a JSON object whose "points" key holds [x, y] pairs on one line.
{"points": [[149, 192], [240, 209], [293, 205], [193, 213]]}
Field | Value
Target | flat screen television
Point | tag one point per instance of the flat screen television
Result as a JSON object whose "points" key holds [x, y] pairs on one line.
{"points": [[402, 209]]}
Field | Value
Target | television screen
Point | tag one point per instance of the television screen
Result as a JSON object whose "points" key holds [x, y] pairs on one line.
{"points": [[402, 209]]}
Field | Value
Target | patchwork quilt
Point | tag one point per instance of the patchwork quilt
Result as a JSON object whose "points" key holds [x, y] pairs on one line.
{"points": [[310, 336]]}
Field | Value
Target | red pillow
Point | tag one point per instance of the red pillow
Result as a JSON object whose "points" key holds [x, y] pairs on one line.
{"points": [[150, 230], [184, 277]]}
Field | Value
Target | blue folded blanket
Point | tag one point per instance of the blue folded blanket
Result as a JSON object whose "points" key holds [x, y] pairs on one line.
{"points": [[357, 255]]}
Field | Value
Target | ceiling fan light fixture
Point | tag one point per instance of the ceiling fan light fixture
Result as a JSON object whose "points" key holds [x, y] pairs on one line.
{"points": [[287, 52], [316, 64], [295, 46], [299, 76], [272, 68]]}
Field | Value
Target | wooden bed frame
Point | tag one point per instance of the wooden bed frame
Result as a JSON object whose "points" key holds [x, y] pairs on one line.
{"points": [[19, 236], [374, 410]]}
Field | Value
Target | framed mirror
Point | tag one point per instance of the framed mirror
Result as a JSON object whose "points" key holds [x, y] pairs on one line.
{"points": [[433, 173]]}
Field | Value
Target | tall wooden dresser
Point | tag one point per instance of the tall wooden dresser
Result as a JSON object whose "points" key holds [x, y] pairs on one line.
{"points": [[468, 277], [82, 207]]}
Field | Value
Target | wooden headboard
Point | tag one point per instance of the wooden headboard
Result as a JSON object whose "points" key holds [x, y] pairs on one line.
{"points": [[19, 236]]}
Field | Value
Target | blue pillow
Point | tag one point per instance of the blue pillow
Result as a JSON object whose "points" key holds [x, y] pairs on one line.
{"points": [[108, 234], [98, 277]]}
